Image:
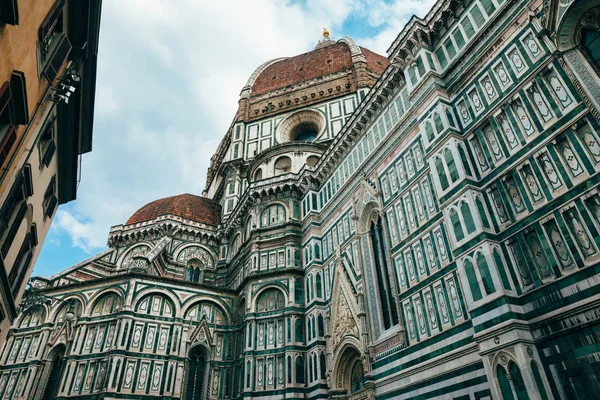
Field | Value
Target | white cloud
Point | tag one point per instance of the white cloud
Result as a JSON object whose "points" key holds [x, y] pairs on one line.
{"points": [[169, 77]]}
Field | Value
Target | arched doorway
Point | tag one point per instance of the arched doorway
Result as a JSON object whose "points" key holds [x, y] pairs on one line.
{"points": [[53, 371], [196, 374], [349, 374]]}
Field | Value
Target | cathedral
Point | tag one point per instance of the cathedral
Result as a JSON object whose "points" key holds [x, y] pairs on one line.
{"points": [[424, 225]]}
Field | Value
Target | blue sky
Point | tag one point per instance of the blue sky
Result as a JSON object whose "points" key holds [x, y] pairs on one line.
{"points": [[169, 77]]}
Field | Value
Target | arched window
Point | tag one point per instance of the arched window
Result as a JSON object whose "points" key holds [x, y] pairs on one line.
{"points": [[504, 384], [323, 365], [305, 132], [321, 325], [437, 120], [317, 251], [467, 217], [314, 327], [312, 160], [289, 369], [107, 304], [283, 165], [464, 160], [300, 369], [319, 285], [473, 282], [310, 369], [517, 381], [272, 215], [309, 329], [501, 270], [270, 300], [538, 381], [451, 165], [297, 258], [439, 166], [357, 377], [386, 296], [56, 368], [450, 118], [205, 309], [299, 328], [486, 277], [196, 374], [248, 373], [429, 131], [590, 41], [258, 174], [308, 291], [298, 291], [484, 219], [314, 358], [34, 316], [456, 225]]}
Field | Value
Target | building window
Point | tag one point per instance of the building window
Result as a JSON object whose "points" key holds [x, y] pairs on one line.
{"points": [[195, 374], [386, 296], [8, 133], [299, 369], [283, 165], [590, 40], [272, 215], [54, 47], [14, 209], [50, 201], [23, 261], [47, 145]]}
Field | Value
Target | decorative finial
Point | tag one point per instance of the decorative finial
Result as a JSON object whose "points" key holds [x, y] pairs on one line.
{"points": [[325, 34]]}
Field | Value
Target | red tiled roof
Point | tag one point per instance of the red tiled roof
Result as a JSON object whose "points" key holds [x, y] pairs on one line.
{"points": [[375, 62], [188, 206], [314, 64]]}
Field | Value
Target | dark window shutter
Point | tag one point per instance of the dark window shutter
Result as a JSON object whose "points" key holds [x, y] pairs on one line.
{"points": [[9, 12], [57, 59], [51, 19], [28, 181], [51, 206], [7, 144], [18, 92], [4, 97], [49, 153], [12, 231]]}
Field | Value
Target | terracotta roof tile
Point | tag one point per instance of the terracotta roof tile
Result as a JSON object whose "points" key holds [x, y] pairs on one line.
{"points": [[188, 206]]}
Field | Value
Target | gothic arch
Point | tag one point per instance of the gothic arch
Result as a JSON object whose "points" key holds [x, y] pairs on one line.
{"points": [[131, 252], [577, 15], [344, 362], [271, 285], [364, 221], [81, 304], [197, 301], [139, 296], [91, 302], [211, 255], [197, 372], [51, 377]]}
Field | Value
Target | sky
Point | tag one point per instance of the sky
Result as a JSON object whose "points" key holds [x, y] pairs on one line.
{"points": [[169, 78]]}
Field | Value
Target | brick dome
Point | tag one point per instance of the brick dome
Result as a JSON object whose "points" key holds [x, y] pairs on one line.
{"points": [[187, 206], [322, 61]]}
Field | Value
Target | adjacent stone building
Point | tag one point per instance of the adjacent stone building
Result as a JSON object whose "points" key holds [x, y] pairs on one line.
{"points": [[48, 58], [425, 225]]}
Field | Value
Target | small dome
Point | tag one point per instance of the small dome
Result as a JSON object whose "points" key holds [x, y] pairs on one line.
{"points": [[187, 206]]}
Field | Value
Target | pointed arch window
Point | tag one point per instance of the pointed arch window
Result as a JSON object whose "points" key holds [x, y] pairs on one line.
{"points": [[486, 276], [467, 217], [319, 285], [386, 295], [472, 278], [429, 131], [196, 374], [300, 369], [439, 126], [56, 369], [299, 328], [451, 165], [456, 225], [439, 166], [321, 325], [323, 365]]}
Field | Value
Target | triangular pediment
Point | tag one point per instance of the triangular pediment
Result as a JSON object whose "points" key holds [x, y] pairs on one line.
{"points": [[344, 309]]}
